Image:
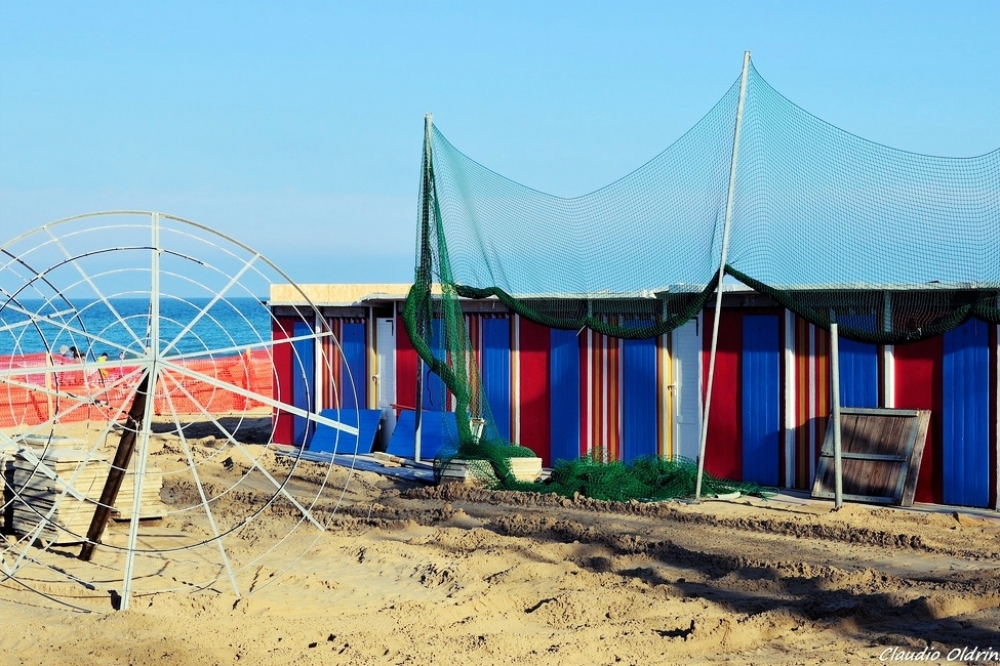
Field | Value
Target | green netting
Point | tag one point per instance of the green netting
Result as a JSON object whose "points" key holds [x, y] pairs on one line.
{"points": [[646, 479], [894, 246]]}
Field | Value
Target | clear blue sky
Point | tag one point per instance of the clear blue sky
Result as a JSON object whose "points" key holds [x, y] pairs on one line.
{"points": [[297, 126]]}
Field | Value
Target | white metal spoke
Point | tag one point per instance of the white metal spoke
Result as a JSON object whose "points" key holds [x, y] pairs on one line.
{"points": [[194, 324], [242, 349], [62, 326], [280, 487], [154, 296], [140, 473], [32, 318], [204, 497], [90, 282], [78, 401], [221, 293], [270, 402]]}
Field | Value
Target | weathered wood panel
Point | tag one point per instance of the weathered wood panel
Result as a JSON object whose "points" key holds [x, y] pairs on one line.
{"points": [[881, 451]]}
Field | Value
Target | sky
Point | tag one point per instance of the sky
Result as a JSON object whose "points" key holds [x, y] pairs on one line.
{"points": [[297, 127]]}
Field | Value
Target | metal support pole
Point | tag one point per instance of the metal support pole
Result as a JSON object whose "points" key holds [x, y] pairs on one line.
{"points": [[423, 273], [722, 273], [419, 408], [838, 469]]}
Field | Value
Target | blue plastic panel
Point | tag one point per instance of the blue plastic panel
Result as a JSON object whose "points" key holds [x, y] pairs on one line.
{"points": [[965, 419], [354, 344], [496, 371], [564, 367], [761, 393], [303, 380], [327, 438], [438, 430], [639, 406]]}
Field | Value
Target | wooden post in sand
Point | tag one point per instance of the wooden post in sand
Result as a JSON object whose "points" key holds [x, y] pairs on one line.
{"points": [[123, 456]]}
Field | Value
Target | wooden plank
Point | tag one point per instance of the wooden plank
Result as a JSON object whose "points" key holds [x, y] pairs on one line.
{"points": [[882, 457], [868, 499], [916, 455], [882, 449]]}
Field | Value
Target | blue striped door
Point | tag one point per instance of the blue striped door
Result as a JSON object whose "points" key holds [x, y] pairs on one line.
{"points": [[355, 354], [761, 398], [564, 370], [639, 407], [303, 380], [965, 415], [496, 371]]}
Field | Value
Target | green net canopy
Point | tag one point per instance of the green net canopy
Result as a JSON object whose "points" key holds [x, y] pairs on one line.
{"points": [[826, 222], [817, 207], [895, 246], [655, 230]]}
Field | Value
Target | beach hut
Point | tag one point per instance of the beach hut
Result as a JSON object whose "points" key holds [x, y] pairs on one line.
{"points": [[685, 309], [566, 394]]}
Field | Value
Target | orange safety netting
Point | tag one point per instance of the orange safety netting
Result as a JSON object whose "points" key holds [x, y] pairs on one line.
{"points": [[51, 388]]}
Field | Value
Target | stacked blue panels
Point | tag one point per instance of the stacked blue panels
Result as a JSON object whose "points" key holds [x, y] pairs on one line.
{"points": [[761, 389], [965, 415], [496, 371], [639, 405], [355, 355], [303, 380], [564, 372]]}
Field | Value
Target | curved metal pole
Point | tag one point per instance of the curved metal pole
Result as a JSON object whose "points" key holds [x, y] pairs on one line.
{"points": [[722, 274]]}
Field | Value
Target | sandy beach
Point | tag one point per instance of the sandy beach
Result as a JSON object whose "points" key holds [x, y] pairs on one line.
{"points": [[406, 573]]}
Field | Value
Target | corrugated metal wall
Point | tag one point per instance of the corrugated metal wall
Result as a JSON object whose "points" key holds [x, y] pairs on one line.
{"points": [[303, 379], [723, 451], [565, 395], [577, 392], [435, 394], [640, 410], [496, 359], [533, 389], [859, 376], [761, 398], [354, 342], [917, 384], [965, 463], [283, 390]]}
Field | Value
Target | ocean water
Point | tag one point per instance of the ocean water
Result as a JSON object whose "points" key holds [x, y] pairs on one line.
{"points": [[124, 328]]}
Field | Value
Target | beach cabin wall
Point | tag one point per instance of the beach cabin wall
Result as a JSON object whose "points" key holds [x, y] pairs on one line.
{"points": [[953, 375], [562, 394], [319, 372], [566, 394]]}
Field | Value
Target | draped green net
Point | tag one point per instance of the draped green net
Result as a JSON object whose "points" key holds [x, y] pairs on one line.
{"points": [[895, 246]]}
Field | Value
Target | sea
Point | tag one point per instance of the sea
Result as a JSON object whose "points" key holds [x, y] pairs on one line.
{"points": [[123, 327]]}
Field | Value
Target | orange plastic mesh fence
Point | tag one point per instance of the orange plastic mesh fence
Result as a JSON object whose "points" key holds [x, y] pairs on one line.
{"points": [[101, 394]]}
